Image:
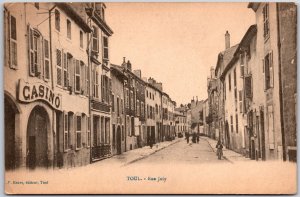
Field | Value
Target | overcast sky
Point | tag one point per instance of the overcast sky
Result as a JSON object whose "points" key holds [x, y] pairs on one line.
{"points": [[175, 43]]}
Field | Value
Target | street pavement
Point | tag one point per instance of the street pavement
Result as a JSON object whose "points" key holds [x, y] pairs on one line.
{"points": [[227, 154], [183, 153]]}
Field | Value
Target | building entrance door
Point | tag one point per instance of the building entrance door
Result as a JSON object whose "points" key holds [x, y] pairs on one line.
{"points": [[9, 123], [37, 144], [119, 141]]}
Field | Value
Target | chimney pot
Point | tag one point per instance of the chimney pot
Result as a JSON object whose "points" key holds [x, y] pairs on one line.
{"points": [[227, 40]]}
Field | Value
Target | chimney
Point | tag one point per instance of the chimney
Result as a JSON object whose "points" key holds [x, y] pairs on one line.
{"points": [[212, 72], [124, 62], [128, 65], [227, 40]]}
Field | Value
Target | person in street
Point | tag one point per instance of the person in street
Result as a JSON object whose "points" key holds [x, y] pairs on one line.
{"points": [[150, 142], [219, 147], [194, 137], [187, 136], [198, 138]]}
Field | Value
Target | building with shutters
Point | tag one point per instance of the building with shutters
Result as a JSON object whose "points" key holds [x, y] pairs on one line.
{"points": [[153, 112], [134, 98], [118, 139], [100, 79], [45, 73], [275, 111]]}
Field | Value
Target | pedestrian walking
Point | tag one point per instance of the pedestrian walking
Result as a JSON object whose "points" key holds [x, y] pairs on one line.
{"points": [[194, 137], [219, 147], [151, 143], [187, 138], [198, 138]]}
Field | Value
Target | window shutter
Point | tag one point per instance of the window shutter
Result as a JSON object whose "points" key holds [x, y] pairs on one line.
{"points": [[30, 51], [39, 57], [65, 129], [74, 75], [12, 42], [271, 69], [65, 69], [8, 38], [46, 61], [58, 67], [263, 73], [82, 77]]}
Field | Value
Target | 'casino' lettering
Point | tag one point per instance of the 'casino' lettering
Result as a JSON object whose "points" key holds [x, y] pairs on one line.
{"points": [[31, 92]]}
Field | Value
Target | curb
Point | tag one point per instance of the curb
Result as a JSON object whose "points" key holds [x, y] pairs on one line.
{"points": [[145, 156], [224, 157]]}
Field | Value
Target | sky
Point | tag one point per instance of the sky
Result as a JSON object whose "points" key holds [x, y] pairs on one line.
{"points": [[175, 43]]}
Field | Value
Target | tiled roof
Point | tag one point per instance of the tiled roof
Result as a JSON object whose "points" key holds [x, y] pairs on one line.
{"points": [[228, 54]]}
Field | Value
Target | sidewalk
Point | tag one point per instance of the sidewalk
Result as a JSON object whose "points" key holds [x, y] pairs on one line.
{"points": [[229, 155], [131, 156]]}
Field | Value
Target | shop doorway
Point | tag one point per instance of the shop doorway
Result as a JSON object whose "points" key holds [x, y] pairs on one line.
{"points": [[37, 139], [119, 141], [10, 111]]}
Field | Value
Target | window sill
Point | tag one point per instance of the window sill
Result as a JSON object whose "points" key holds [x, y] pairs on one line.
{"points": [[78, 149]]}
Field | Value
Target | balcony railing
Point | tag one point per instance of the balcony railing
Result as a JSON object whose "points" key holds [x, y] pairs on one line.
{"points": [[100, 152]]}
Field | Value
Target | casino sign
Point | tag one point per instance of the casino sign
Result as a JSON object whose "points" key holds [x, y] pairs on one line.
{"points": [[29, 92]]}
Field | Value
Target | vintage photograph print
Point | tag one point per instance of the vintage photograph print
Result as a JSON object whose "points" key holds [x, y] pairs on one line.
{"points": [[150, 98]]}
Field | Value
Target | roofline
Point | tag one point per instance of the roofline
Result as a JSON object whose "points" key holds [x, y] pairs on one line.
{"points": [[76, 17], [249, 34], [99, 21]]}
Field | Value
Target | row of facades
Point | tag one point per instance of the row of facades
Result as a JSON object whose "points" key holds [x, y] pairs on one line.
{"points": [[252, 90], [66, 105]]}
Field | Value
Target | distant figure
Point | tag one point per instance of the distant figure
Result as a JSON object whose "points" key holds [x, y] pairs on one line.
{"points": [[198, 138], [187, 136], [219, 147], [151, 143], [194, 138]]}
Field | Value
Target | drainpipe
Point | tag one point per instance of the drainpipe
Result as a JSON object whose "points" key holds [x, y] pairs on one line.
{"points": [[52, 86], [88, 51], [280, 85]]}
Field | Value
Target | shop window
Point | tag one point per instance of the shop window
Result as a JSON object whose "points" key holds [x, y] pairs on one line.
{"points": [[57, 20], [13, 45], [78, 132]]}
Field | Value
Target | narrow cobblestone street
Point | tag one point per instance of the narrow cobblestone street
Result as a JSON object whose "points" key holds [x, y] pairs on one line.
{"points": [[182, 152]]}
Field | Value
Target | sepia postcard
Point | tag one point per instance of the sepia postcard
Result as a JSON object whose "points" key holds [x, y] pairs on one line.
{"points": [[150, 97]]}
